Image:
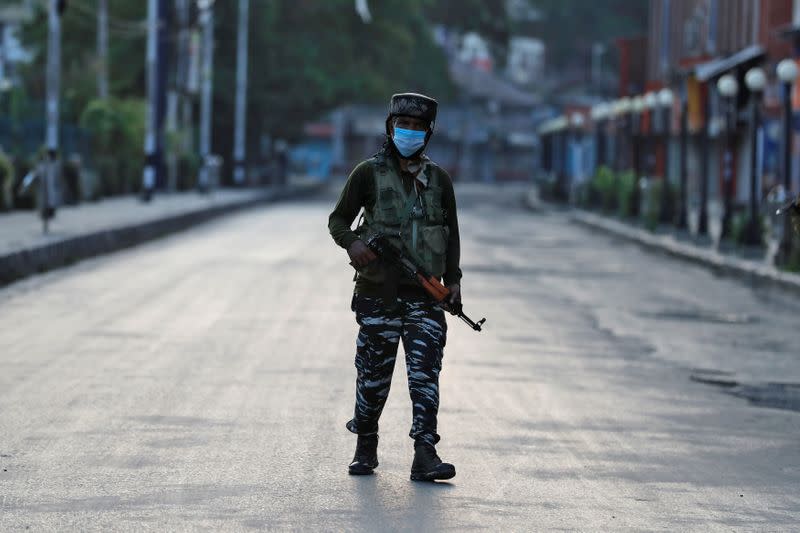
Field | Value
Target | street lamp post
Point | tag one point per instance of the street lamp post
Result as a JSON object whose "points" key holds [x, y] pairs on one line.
{"points": [[207, 21], [621, 108], [651, 104], [240, 135], [49, 174], [684, 160], [650, 146], [787, 73], [599, 118], [577, 121], [728, 88], [756, 80], [705, 173], [665, 99], [637, 108], [151, 133]]}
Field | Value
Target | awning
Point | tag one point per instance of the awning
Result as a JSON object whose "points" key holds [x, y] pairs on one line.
{"points": [[715, 68]]}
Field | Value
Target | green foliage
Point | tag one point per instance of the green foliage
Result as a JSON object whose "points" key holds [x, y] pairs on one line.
{"points": [[188, 168], [794, 216], [310, 56], [588, 22], [6, 182], [117, 128], [73, 186], [793, 262], [489, 19], [604, 186], [740, 222], [626, 193], [126, 54], [652, 203]]}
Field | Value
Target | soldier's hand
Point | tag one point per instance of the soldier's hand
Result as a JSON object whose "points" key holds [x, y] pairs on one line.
{"points": [[455, 294], [360, 254]]}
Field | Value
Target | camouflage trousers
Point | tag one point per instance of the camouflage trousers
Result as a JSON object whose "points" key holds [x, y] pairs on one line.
{"points": [[421, 326]]}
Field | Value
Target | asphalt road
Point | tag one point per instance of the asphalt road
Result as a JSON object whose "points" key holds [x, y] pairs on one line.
{"points": [[203, 381]]}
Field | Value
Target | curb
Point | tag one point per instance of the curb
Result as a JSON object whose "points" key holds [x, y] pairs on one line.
{"points": [[24, 263], [750, 271]]}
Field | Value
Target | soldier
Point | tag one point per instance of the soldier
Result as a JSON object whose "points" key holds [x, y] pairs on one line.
{"points": [[408, 197]]}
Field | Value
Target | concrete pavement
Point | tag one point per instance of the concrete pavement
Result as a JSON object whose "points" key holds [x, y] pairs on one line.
{"points": [[92, 229], [202, 381]]}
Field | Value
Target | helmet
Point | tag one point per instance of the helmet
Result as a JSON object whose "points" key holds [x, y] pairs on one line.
{"points": [[413, 105]]}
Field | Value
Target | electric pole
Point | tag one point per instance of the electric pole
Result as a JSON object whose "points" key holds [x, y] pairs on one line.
{"points": [[149, 177], [240, 139], [49, 174], [207, 22], [102, 49]]}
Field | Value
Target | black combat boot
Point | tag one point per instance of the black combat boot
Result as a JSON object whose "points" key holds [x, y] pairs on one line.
{"points": [[427, 466], [366, 457]]}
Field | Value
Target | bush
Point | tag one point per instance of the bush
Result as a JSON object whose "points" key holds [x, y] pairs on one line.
{"points": [[117, 128], [6, 182], [604, 188], [73, 185], [626, 194], [739, 224], [188, 168], [651, 208], [584, 195]]}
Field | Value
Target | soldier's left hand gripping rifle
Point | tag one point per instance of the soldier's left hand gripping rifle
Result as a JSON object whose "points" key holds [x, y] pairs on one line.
{"points": [[393, 257]]}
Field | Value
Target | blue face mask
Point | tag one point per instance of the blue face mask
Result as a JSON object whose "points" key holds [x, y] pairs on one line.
{"points": [[408, 141]]}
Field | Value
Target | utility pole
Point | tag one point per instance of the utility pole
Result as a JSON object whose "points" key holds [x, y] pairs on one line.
{"points": [[207, 22], [48, 176], [240, 139], [102, 49], [187, 84], [149, 177]]}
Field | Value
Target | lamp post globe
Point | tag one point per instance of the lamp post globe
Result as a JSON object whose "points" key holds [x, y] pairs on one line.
{"points": [[576, 119], [650, 100], [755, 79], [665, 97], [625, 105], [727, 86], [787, 71]]}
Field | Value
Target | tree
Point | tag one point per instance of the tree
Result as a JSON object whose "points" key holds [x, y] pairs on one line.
{"points": [[78, 50], [587, 23], [310, 56], [307, 58]]}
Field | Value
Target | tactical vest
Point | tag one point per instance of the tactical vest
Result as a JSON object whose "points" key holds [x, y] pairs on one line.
{"points": [[416, 224]]}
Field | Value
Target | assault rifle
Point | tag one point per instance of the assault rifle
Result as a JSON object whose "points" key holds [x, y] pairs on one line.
{"points": [[393, 257]]}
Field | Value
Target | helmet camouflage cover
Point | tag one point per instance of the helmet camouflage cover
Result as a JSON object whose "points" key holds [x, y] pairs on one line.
{"points": [[414, 105]]}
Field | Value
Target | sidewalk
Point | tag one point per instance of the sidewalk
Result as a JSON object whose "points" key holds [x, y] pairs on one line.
{"points": [[753, 271], [750, 270], [89, 229]]}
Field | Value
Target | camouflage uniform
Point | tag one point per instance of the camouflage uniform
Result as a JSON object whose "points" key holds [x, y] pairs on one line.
{"points": [[415, 207], [421, 325]]}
